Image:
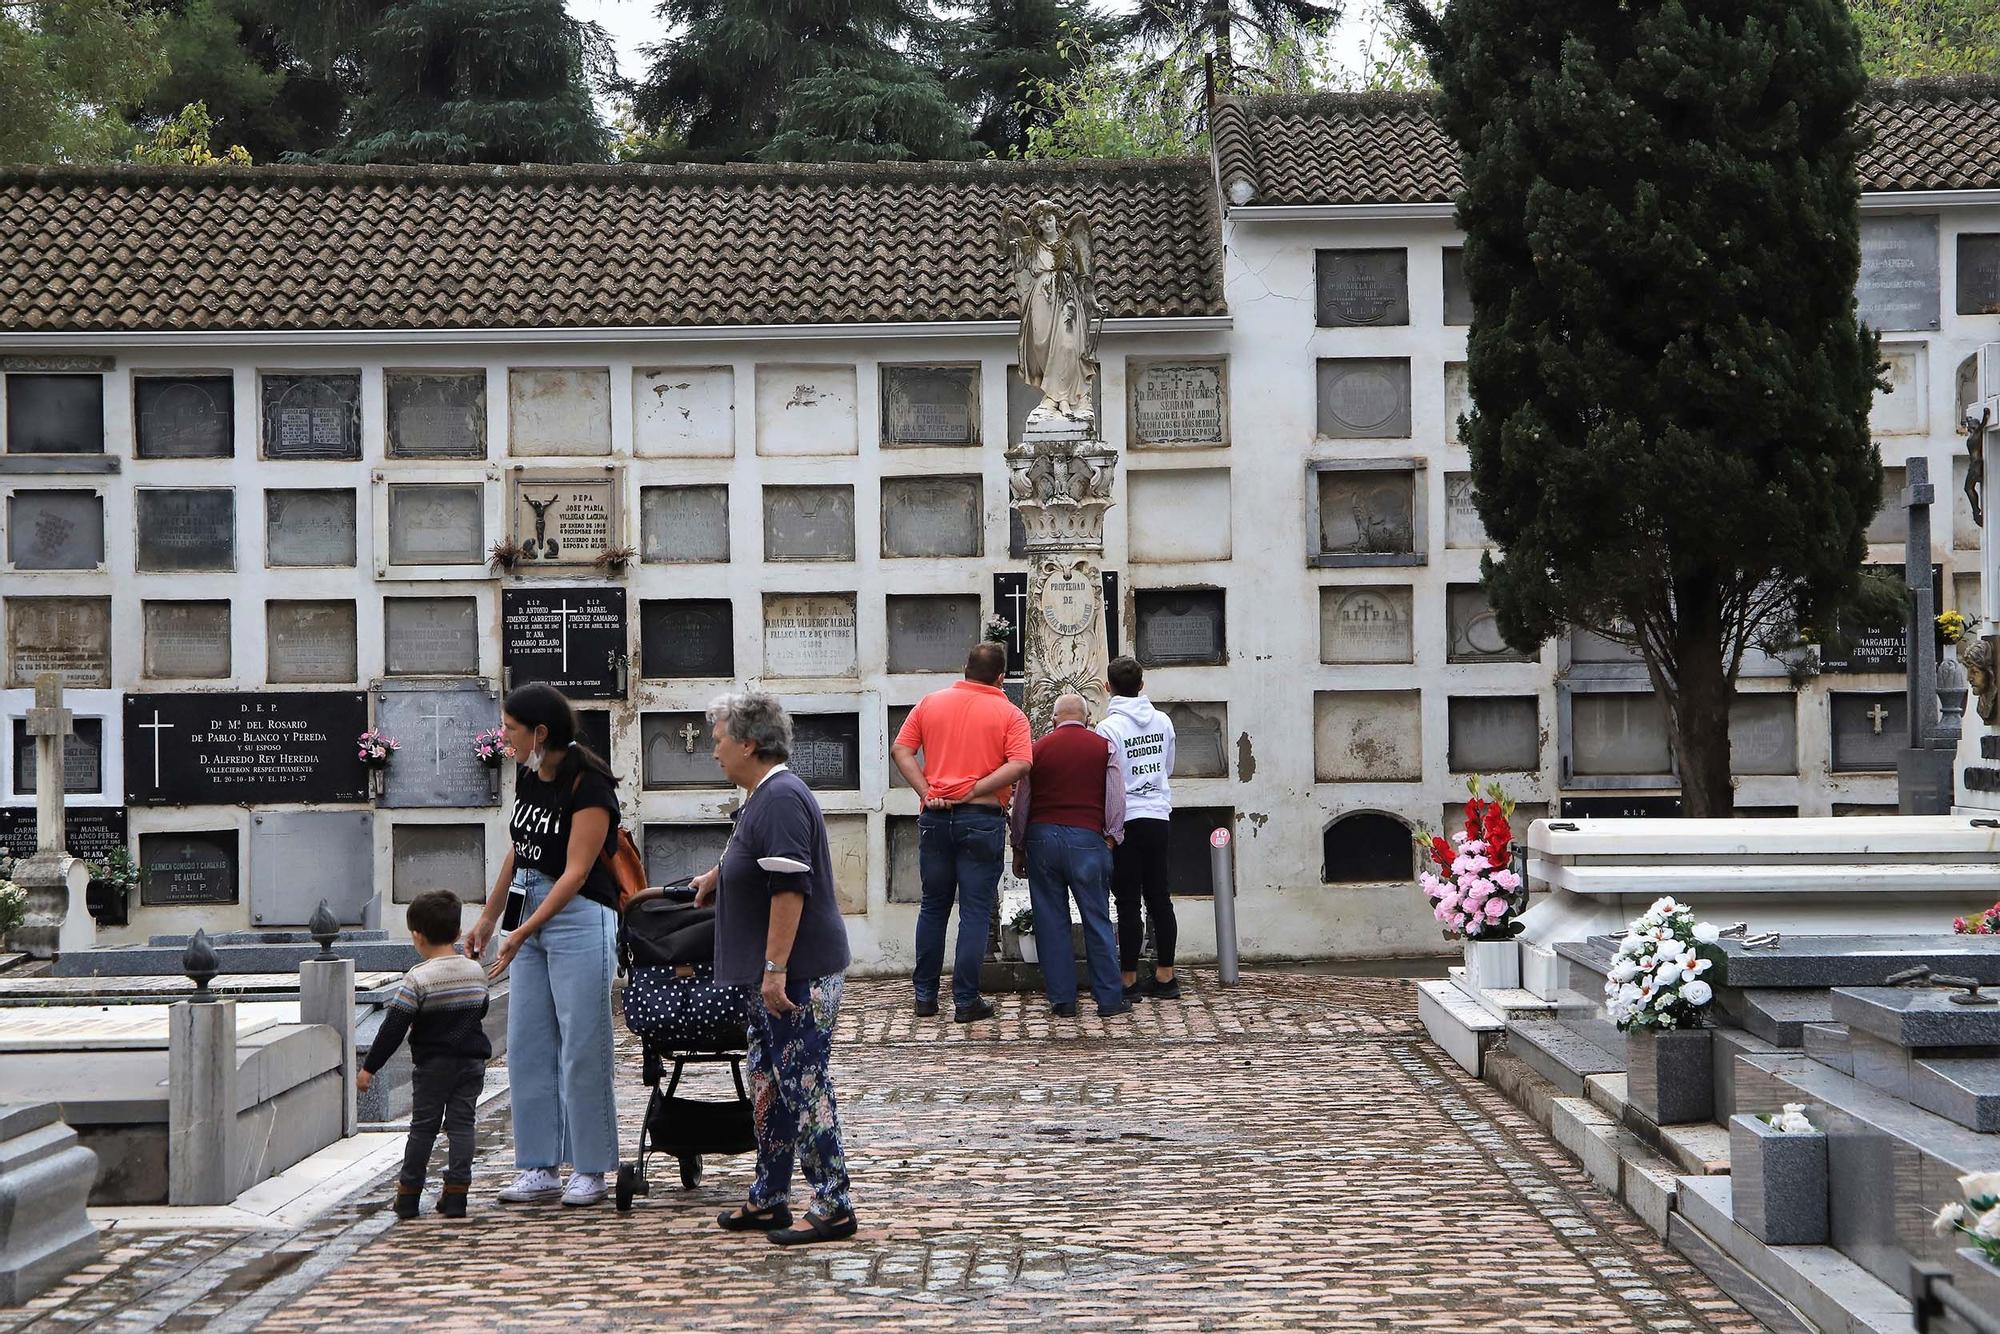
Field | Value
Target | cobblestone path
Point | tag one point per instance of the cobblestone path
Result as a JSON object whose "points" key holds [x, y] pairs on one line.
{"points": [[1290, 1154]]}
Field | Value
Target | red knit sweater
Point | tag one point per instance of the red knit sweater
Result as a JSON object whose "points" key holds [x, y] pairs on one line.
{"points": [[1067, 784]]}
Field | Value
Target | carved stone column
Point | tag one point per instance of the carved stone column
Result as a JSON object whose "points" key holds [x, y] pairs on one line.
{"points": [[1061, 486]]}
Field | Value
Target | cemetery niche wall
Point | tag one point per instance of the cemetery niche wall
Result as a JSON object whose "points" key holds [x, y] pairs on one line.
{"points": [[239, 748]]}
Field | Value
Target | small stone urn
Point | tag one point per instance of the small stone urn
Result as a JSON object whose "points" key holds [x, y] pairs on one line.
{"points": [[1777, 1182], [1669, 1076]]}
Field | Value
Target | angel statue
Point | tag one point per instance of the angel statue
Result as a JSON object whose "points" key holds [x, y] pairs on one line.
{"points": [[1055, 278]]}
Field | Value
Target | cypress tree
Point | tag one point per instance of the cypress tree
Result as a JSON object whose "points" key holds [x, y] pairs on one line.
{"points": [[1670, 444], [235, 58], [1004, 54]]}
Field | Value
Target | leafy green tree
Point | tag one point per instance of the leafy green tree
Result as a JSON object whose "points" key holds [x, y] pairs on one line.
{"points": [[477, 81], [1118, 105], [1258, 40], [884, 110], [185, 140], [1005, 55], [1919, 38], [1670, 445], [237, 58], [67, 70]]}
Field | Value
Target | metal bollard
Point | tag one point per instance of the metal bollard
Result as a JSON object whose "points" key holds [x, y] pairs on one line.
{"points": [[1222, 874]]}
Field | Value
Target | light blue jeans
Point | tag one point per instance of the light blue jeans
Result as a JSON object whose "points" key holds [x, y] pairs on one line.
{"points": [[559, 1058]]}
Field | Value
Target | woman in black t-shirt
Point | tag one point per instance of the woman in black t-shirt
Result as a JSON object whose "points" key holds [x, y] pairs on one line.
{"points": [[561, 924]]}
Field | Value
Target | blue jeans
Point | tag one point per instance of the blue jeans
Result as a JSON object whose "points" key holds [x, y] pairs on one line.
{"points": [[791, 1096], [559, 1058], [1063, 861], [959, 852]]}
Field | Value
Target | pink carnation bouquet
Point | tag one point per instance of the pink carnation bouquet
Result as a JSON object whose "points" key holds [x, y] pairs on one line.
{"points": [[1473, 890], [377, 750]]}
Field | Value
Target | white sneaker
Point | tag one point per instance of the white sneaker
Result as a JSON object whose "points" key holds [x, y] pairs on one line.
{"points": [[584, 1188], [532, 1187]]}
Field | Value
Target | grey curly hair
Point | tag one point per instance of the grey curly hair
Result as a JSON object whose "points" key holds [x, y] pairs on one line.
{"points": [[757, 718]]}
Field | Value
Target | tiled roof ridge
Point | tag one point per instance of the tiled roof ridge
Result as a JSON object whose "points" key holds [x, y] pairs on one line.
{"points": [[1329, 100], [1935, 88], [728, 173]]}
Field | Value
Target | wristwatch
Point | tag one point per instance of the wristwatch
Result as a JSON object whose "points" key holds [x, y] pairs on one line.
{"points": [[771, 967]]}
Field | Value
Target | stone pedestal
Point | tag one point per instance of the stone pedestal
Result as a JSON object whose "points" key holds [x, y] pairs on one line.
{"points": [[1060, 481], [326, 996], [201, 1102], [1777, 1183], [45, 1178], [58, 919]]}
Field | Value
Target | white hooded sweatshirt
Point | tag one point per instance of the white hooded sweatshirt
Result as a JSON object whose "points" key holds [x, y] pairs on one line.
{"points": [[1144, 740]]}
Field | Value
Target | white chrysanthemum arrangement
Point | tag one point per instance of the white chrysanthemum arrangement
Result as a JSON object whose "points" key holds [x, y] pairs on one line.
{"points": [[1656, 978]]}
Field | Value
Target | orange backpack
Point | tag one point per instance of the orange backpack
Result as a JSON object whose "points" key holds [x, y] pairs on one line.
{"points": [[620, 859]]}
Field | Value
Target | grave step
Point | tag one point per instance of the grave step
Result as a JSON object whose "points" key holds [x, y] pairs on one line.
{"points": [[1504, 1004], [1827, 1044], [1464, 1029], [165, 960], [1777, 1014], [1963, 1088], [1560, 1056], [1856, 961]]}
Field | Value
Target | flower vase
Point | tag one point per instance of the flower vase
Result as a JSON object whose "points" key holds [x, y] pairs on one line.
{"points": [[1669, 1076], [1777, 1182], [378, 780], [1029, 954], [1493, 965], [493, 781]]}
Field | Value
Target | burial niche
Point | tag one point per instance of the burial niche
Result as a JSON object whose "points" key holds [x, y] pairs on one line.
{"points": [[55, 414], [808, 523], [430, 636], [1364, 398], [70, 636], [436, 414], [1200, 739], [826, 750], [564, 412], [1494, 734], [55, 530], [1361, 287], [1177, 516], [1472, 630], [182, 867], [1457, 299], [309, 529], [83, 757], [677, 751], [673, 851], [312, 416], [932, 517], [1364, 624], [809, 634], [930, 405], [424, 857], [806, 409], [437, 523], [1176, 403], [686, 637], [1366, 848], [1179, 627], [932, 632], [185, 529], [1868, 731], [1764, 733], [1618, 734], [184, 416], [684, 411], [1898, 286], [1979, 273], [1367, 736], [309, 642], [684, 525], [1188, 831], [187, 640], [1366, 515]]}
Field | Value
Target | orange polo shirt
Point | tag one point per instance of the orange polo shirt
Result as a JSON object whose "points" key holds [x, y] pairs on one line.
{"points": [[966, 732]]}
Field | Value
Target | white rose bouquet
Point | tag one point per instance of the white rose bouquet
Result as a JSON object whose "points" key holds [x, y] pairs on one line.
{"points": [[1656, 976], [1978, 1218]]}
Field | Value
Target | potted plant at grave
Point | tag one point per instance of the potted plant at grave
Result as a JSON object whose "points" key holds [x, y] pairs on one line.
{"points": [[1474, 890], [1778, 1162], [997, 630], [1017, 934], [613, 560], [504, 555], [1978, 1219], [13, 903], [376, 750], [110, 890], [1656, 994]]}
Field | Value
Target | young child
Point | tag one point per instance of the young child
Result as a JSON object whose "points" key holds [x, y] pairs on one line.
{"points": [[440, 1005]]}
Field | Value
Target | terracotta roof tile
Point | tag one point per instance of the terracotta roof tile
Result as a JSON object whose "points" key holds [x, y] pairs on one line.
{"points": [[294, 248], [1389, 148]]}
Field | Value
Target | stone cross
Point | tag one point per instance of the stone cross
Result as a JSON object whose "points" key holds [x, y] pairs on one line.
{"points": [[1921, 679], [688, 734], [1877, 715], [48, 723]]}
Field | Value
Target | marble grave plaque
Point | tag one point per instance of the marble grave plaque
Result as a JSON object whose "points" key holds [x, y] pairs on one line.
{"points": [[826, 750], [185, 529], [1361, 287], [1493, 734], [1364, 398], [1979, 273], [808, 523], [933, 517], [806, 409], [185, 867], [311, 529], [1179, 515], [436, 724], [677, 751], [312, 416], [1365, 624], [1179, 626], [55, 414], [437, 523], [1463, 528], [1472, 631], [562, 412], [1868, 731], [309, 642], [1618, 734], [1367, 736], [55, 530], [430, 636], [847, 844], [1764, 733], [684, 411], [90, 832], [1176, 403], [184, 416], [809, 634], [70, 636], [298, 858], [684, 525], [676, 851], [686, 637], [424, 857], [930, 405], [187, 640], [1367, 513], [83, 757], [436, 414], [1900, 409], [1201, 739], [572, 638], [1457, 299], [564, 521], [1898, 288], [932, 632]]}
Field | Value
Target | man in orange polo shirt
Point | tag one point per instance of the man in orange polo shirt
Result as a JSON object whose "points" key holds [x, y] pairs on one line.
{"points": [[976, 745]]}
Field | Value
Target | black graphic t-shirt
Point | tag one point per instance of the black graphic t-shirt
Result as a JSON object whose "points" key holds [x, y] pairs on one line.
{"points": [[542, 812]]}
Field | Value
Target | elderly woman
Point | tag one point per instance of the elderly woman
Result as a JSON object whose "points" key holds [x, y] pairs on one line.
{"points": [[778, 935]]}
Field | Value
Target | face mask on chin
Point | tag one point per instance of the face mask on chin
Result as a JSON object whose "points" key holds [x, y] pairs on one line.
{"points": [[536, 756]]}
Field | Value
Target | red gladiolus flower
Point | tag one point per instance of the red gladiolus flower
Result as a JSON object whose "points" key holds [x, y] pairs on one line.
{"points": [[1441, 853]]}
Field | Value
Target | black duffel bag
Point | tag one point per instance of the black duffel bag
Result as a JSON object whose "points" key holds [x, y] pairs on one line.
{"points": [[664, 930]]}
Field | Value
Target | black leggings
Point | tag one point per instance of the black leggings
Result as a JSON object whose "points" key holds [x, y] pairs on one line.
{"points": [[1139, 873]]}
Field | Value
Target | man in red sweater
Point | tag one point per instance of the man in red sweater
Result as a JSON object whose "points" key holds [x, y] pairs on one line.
{"points": [[1069, 812]]}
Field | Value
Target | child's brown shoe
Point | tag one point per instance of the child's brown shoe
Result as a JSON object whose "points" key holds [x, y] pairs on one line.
{"points": [[451, 1204], [407, 1200]]}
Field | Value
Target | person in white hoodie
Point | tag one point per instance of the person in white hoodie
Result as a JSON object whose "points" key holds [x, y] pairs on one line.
{"points": [[1143, 739]]}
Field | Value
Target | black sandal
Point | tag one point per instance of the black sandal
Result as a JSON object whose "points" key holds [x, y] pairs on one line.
{"points": [[838, 1228], [755, 1220]]}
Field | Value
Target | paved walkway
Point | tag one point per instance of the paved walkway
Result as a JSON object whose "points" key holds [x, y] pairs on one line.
{"points": [[1287, 1155]]}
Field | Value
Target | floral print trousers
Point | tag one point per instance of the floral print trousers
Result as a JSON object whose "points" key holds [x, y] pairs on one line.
{"points": [[791, 1096]]}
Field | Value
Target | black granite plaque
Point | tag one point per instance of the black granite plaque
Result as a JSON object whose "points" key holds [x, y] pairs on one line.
{"points": [[90, 832], [55, 414], [573, 638], [436, 415], [1621, 808], [249, 749], [181, 867], [930, 405], [83, 757], [826, 750], [1878, 648], [185, 529], [1979, 273], [1361, 287], [184, 417], [1179, 626], [686, 637], [312, 416], [1898, 286]]}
